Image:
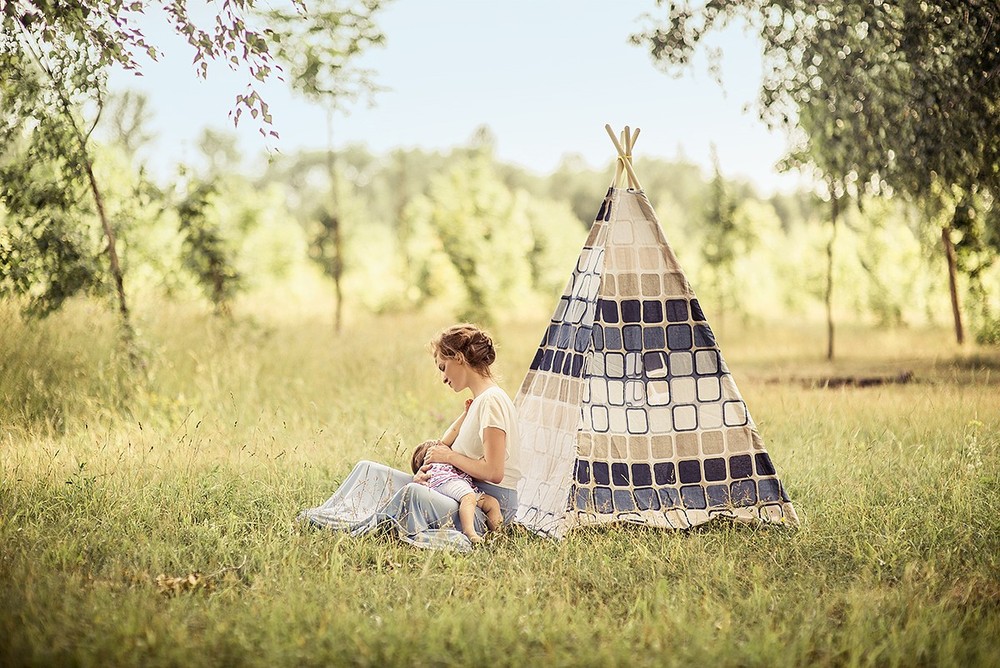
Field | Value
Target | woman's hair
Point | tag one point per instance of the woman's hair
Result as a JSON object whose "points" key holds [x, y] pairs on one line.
{"points": [[467, 343], [418, 455]]}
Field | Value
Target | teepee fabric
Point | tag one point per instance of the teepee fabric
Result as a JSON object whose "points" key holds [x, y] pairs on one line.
{"points": [[628, 412]]}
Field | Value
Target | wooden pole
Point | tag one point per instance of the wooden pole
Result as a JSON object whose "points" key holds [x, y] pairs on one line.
{"points": [[633, 179]]}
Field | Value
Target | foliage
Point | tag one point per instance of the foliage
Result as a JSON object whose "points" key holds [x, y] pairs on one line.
{"points": [[48, 247], [318, 43], [723, 242], [879, 87], [207, 255], [878, 96], [471, 230]]}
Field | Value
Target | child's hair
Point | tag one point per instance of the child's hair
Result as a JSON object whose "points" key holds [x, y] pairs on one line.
{"points": [[418, 455], [467, 343]]}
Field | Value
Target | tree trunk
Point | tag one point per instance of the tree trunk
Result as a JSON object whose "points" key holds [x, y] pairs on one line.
{"points": [[128, 333], [956, 310], [834, 214], [338, 250], [338, 271]]}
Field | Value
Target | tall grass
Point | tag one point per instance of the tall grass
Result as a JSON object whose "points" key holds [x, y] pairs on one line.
{"points": [[198, 467]]}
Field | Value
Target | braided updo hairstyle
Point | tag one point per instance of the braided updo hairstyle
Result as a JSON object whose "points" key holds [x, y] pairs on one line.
{"points": [[467, 343]]}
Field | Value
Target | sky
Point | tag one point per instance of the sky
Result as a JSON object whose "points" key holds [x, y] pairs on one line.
{"points": [[544, 75]]}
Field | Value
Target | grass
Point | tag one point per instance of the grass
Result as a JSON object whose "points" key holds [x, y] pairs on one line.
{"points": [[198, 470]]}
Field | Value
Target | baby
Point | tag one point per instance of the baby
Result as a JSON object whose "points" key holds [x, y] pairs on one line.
{"points": [[457, 484]]}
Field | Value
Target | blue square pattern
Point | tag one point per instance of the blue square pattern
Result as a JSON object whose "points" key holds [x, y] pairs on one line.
{"points": [[642, 475], [653, 338], [764, 465], [740, 467], [743, 493], [715, 469], [597, 337], [669, 497], [646, 498], [632, 337], [565, 336], [703, 337], [679, 337], [693, 497], [677, 310], [602, 500], [623, 500], [689, 470], [652, 311], [612, 338], [619, 474], [718, 495], [655, 364], [608, 311], [769, 490], [663, 473], [631, 310], [608, 501]]}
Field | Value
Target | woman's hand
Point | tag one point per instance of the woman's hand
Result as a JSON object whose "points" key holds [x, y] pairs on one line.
{"points": [[468, 403], [423, 476], [438, 454]]}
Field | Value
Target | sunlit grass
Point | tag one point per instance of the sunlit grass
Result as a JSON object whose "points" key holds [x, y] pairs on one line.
{"points": [[109, 480]]}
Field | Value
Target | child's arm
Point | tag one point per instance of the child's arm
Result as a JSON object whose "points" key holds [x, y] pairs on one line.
{"points": [[449, 436]]}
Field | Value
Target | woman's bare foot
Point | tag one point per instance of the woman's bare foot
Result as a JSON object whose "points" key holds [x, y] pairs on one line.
{"points": [[475, 538]]}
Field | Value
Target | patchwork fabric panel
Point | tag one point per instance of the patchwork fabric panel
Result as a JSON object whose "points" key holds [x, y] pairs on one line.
{"points": [[662, 435], [551, 394]]}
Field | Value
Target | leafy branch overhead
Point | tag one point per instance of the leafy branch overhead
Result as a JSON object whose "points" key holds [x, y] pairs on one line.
{"points": [[318, 48], [110, 34], [55, 58], [878, 97], [888, 93]]}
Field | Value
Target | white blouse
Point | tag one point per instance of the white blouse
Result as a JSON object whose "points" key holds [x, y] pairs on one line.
{"points": [[492, 408]]}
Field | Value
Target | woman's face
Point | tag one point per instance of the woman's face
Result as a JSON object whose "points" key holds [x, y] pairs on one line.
{"points": [[454, 373]]}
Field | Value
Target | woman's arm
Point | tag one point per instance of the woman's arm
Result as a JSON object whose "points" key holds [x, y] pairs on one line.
{"points": [[449, 436], [488, 469]]}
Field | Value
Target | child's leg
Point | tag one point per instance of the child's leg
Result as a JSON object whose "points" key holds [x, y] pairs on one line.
{"points": [[467, 513], [490, 506]]}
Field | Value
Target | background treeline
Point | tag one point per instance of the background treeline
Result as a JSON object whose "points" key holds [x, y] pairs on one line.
{"points": [[460, 231], [890, 108]]}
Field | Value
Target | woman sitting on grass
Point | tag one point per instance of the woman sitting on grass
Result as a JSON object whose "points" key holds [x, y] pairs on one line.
{"points": [[484, 444]]}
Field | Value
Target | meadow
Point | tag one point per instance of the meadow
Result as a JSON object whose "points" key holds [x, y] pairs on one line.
{"points": [[149, 519]]}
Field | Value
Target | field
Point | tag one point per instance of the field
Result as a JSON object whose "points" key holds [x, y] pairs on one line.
{"points": [[150, 520]]}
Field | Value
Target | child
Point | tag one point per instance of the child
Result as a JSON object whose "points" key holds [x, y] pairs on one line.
{"points": [[457, 484]]}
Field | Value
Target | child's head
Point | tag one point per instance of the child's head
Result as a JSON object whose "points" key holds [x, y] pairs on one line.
{"points": [[418, 455]]}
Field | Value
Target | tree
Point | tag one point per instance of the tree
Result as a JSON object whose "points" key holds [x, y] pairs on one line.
{"points": [[128, 117], [878, 96], [722, 240], [206, 253], [318, 48], [471, 233], [54, 60]]}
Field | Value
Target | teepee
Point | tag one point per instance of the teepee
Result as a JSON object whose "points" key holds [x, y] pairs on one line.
{"points": [[629, 412]]}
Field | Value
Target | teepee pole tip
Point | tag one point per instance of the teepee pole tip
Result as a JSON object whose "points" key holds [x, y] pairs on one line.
{"points": [[625, 158]]}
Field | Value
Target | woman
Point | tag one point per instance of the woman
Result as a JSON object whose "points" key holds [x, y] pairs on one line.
{"points": [[482, 442]]}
